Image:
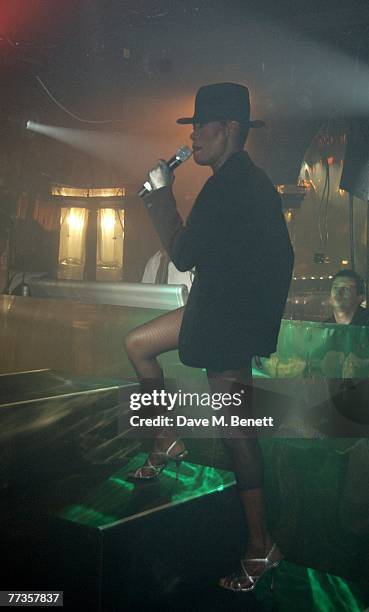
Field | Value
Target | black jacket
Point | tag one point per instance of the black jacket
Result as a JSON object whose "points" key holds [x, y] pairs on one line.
{"points": [[237, 238]]}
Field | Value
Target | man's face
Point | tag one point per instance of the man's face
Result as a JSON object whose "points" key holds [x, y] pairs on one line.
{"points": [[344, 294], [209, 142]]}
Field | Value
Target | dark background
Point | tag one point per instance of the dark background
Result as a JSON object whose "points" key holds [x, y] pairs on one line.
{"points": [[128, 69]]}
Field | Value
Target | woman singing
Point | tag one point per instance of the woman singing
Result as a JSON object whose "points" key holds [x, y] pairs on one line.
{"points": [[236, 238]]}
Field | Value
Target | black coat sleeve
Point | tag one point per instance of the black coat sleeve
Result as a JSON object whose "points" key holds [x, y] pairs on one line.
{"points": [[187, 244]]}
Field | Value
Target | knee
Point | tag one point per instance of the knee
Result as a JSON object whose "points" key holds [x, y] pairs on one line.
{"points": [[133, 343]]}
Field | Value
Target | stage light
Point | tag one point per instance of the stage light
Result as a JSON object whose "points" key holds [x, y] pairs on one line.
{"points": [[120, 150], [32, 123]]}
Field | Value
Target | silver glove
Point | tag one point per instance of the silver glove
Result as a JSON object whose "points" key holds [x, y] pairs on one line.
{"points": [[160, 176]]}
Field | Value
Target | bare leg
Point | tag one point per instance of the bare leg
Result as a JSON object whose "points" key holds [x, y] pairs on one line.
{"points": [[245, 454]]}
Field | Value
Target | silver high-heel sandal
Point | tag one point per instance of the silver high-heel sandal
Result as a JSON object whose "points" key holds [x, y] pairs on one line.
{"points": [[234, 582], [156, 469]]}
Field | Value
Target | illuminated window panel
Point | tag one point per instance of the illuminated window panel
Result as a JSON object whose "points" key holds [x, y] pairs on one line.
{"points": [[110, 243], [74, 192], [73, 225]]}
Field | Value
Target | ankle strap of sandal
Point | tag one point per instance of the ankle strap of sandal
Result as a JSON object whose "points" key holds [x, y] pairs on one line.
{"points": [[264, 559]]}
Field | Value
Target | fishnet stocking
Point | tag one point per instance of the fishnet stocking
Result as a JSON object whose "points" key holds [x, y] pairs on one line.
{"points": [[146, 342]]}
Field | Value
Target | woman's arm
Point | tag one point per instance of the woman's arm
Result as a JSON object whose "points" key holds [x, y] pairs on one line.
{"points": [[187, 244]]}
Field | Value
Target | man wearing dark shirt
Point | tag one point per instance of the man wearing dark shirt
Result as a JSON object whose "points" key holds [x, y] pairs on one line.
{"points": [[348, 396], [347, 293]]}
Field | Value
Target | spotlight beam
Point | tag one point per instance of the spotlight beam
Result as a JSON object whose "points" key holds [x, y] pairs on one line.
{"points": [[131, 154]]}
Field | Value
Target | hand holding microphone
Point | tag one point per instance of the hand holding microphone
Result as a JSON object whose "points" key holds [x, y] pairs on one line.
{"points": [[162, 175]]}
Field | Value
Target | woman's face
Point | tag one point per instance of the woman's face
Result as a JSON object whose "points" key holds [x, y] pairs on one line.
{"points": [[209, 143]]}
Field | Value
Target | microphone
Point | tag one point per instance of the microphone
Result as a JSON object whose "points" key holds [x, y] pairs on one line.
{"points": [[181, 155]]}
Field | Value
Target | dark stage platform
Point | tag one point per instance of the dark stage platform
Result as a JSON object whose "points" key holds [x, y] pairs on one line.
{"points": [[72, 521]]}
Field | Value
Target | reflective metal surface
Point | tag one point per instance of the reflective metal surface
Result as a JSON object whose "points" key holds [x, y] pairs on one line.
{"points": [[140, 295]]}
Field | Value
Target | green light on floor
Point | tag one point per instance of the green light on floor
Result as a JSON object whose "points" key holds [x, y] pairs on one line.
{"points": [[203, 481], [87, 516], [331, 593], [122, 483], [308, 590], [115, 498]]}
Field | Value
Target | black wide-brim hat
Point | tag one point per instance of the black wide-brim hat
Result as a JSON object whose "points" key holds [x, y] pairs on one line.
{"points": [[222, 101]]}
